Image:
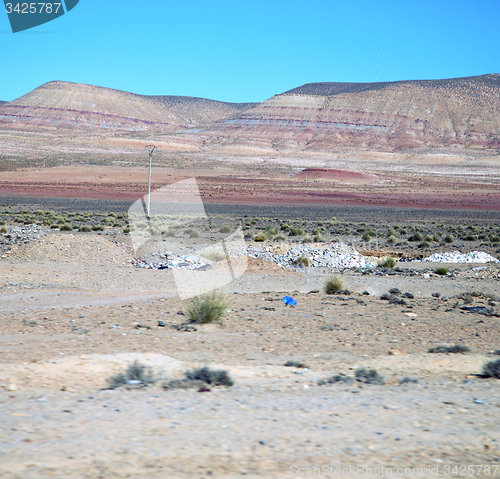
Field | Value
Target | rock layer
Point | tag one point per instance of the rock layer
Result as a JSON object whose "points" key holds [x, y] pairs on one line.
{"points": [[463, 112], [75, 105]]}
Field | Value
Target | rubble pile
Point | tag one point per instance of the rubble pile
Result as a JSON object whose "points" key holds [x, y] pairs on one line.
{"points": [[333, 255], [457, 257], [19, 235], [171, 260]]}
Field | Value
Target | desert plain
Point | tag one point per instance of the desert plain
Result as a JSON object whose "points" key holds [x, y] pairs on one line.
{"points": [[76, 310]]}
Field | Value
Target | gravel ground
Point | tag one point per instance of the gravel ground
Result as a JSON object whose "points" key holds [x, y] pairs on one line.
{"points": [[73, 312]]}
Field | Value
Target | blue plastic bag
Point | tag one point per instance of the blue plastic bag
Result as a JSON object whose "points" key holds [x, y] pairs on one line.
{"points": [[289, 300]]}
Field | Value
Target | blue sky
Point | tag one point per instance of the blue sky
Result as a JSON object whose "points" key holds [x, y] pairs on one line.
{"points": [[248, 51]]}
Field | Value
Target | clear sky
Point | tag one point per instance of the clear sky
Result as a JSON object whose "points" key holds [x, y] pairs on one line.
{"points": [[242, 51]]}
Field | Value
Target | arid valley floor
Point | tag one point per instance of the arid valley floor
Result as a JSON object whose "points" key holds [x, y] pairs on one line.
{"points": [[75, 312], [403, 170]]}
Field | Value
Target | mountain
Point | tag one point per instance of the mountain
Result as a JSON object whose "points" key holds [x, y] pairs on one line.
{"points": [[76, 105], [2, 102], [458, 112]]}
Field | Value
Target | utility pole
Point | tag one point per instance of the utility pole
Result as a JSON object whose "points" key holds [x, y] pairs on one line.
{"points": [[151, 149]]}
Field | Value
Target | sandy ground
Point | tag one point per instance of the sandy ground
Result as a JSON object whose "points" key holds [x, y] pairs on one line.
{"points": [[73, 315]]}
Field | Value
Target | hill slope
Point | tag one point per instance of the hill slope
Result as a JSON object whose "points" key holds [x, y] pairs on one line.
{"points": [[388, 116], [65, 104]]}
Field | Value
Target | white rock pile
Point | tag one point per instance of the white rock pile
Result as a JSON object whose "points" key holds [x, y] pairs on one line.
{"points": [[457, 257], [332, 255], [170, 260]]}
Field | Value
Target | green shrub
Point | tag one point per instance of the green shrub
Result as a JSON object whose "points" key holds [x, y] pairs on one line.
{"points": [[416, 237], [333, 285], [66, 227], [214, 255], [270, 231], [225, 229], [424, 244], [135, 372], [301, 261], [456, 348], [126, 230], [387, 262], [54, 227], [392, 239], [4, 230], [85, 229], [492, 369], [210, 377], [442, 271], [307, 239], [368, 376], [194, 234], [470, 238], [280, 237], [208, 308], [296, 231], [366, 237], [296, 364], [260, 238], [98, 228]]}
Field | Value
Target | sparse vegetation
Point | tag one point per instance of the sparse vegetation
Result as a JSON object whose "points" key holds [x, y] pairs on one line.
{"points": [[214, 255], [337, 378], [492, 369], [319, 239], [387, 262], [368, 376], [366, 237], [225, 229], [302, 261], [442, 271], [296, 364], [136, 375], [408, 380], [210, 376], [280, 237], [333, 285], [416, 237], [455, 349], [296, 231], [208, 308]]}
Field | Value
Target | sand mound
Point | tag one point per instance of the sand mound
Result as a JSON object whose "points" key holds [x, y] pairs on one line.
{"points": [[88, 371]]}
